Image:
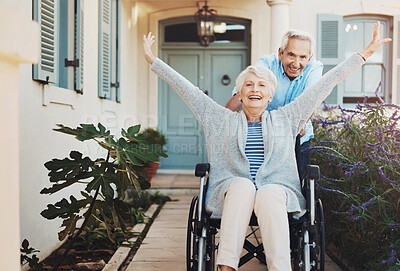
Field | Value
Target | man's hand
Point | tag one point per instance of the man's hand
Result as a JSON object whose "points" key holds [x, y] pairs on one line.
{"points": [[375, 43], [234, 104], [303, 130], [147, 42]]}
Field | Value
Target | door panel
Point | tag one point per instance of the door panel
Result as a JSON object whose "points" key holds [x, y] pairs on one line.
{"points": [[204, 68], [176, 120], [222, 68]]}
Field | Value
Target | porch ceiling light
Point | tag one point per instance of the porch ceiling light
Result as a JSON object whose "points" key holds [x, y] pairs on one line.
{"points": [[205, 19]]}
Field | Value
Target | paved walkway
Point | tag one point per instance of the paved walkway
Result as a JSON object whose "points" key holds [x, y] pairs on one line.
{"points": [[164, 247]]}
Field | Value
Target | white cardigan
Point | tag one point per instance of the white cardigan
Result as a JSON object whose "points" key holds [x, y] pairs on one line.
{"points": [[226, 132]]}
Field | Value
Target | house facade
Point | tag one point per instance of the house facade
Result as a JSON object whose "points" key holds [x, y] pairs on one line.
{"points": [[80, 61]]}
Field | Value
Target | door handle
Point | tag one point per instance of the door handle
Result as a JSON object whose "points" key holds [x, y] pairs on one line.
{"points": [[226, 80]]}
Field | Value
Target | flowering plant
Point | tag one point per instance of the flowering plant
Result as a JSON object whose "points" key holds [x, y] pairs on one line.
{"points": [[358, 152]]}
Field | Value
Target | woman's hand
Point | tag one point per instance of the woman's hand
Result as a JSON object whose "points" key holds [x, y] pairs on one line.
{"points": [[147, 42], [375, 43]]}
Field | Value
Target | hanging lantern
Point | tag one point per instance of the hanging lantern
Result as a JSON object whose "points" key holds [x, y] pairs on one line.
{"points": [[205, 19]]}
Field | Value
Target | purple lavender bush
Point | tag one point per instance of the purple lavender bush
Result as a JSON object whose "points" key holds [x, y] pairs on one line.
{"points": [[358, 152]]}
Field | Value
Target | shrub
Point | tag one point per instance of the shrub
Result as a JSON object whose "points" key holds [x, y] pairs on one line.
{"points": [[358, 153]]}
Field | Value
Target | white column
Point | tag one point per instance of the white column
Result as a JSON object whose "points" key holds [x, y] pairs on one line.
{"points": [[279, 21], [19, 44]]}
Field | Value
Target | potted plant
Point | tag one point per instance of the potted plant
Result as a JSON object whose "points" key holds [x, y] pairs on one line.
{"points": [[156, 138]]}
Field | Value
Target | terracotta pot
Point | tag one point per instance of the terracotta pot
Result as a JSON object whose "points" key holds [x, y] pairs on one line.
{"points": [[151, 169]]}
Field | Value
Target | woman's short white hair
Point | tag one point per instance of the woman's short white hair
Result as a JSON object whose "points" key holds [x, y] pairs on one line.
{"points": [[297, 34], [260, 71]]}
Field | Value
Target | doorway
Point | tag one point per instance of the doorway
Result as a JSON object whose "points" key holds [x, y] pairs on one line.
{"points": [[213, 69]]}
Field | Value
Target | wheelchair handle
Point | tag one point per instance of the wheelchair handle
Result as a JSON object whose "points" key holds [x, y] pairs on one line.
{"points": [[202, 169], [312, 171]]}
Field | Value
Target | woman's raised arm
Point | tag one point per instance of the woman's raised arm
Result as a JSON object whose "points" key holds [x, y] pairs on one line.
{"points": [[203, 107]]}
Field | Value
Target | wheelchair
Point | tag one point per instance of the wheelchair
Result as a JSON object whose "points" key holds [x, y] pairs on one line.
{"points": [[307, 234]]}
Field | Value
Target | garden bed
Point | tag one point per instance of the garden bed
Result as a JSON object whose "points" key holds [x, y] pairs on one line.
{"points": [[94, 252], [358, 152]]}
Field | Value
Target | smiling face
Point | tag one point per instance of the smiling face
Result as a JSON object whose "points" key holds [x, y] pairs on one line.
{"points": [[295, 57], [255, 93]]}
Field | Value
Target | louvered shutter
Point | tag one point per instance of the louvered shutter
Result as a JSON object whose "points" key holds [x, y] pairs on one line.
{"points": [[330, 52], [45, 13], [396, 61], [118, 53], [105, 49], [79, 42]]}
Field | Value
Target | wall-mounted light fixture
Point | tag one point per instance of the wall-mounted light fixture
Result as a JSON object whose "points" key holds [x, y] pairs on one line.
{"points": [[205, 19]]}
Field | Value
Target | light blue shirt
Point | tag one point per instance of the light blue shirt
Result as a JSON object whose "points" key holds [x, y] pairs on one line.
{"points": [[288, 90]]}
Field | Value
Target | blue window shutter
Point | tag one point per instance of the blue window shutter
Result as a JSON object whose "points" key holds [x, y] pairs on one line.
{"points": [[63, 43], [105, 49], [79, 42], [118, 53], [330, 53], [45, 13]]}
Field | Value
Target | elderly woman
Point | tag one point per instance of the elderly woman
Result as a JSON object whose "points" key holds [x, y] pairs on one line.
{"points": [[258, 171]]}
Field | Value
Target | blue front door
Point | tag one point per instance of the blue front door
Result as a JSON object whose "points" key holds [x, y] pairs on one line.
{"points": [[213, 71]]}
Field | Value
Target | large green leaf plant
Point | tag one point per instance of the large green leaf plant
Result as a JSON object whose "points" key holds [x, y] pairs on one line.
{"points": [[104, 180]]}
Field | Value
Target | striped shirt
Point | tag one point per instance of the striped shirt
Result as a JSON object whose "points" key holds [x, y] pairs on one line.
{"points": [[254, 147]]}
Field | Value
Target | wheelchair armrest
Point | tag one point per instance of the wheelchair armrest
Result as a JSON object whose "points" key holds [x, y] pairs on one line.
{"points": [[202, 169], [312, 172]]}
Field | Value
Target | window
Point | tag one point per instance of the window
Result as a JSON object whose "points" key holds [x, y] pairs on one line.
{"points": [[338, 38], [357, 35], [226, 31], [109, 49], [61, 43]]}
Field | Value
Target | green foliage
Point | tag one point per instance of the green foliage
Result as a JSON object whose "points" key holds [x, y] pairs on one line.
{"points": [[358, 153], [144, 199], [26, 257], [153, 136], [107, 177], [99, 236]]}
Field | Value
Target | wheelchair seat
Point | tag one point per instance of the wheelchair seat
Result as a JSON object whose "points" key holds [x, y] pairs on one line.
{"points": [[307, 233]]}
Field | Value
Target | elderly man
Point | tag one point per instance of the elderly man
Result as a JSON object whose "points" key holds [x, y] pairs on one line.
{"points": [[295, 69]]}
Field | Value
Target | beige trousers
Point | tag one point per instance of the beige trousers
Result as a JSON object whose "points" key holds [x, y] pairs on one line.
{"points": [[269, 205]]}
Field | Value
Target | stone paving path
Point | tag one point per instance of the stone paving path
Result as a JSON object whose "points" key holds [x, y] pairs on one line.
{"points": [[164, 247]]}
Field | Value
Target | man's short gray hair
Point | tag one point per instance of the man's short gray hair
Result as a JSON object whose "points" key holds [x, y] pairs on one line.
{"points": [[262, 72], [297, 34]]}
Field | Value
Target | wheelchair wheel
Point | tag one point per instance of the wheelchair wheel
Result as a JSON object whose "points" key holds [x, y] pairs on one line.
{"points": [[309, 244], [192, 237], [318, 253]]}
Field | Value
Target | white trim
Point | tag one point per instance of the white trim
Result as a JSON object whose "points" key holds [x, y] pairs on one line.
{"points": [[396, 60], [61, 96], [176, 171]]}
